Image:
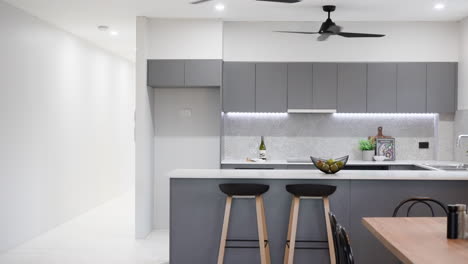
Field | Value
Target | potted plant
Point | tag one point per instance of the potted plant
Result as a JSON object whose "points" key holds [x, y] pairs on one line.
{"points": [[367, 146]]}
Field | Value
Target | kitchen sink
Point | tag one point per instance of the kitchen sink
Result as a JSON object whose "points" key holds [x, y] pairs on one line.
{"points": [[458, 167]]}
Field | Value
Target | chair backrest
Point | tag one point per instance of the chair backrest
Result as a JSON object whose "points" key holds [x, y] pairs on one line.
{"points": [[344, 246], [420, 200], [333, 224]]}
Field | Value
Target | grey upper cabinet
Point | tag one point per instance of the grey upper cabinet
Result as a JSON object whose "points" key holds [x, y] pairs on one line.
{"points": [[271, 89], [381, 87], [352, 88], [239, 87], [325, 85], [411, 88], [300, 86], [441, 87], [203, 73], [166, 73]]}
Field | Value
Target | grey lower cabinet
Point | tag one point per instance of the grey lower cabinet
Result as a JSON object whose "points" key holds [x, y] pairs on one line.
{"points": [[300, 86], [166, 73], [411, 88], [381, 88], [271, 87], [201, 200], [441, 87], [352, 88], [203, 73], [238, 87], [325, 85]]}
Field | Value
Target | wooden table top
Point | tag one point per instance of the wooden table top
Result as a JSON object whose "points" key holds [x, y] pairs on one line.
{"points": [[418, 239]]}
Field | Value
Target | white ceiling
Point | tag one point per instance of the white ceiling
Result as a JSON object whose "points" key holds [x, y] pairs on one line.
{"points": [[81, 17]]}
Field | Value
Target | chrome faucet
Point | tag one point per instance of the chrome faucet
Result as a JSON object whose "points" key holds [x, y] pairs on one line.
{"points": [[460, 138]]}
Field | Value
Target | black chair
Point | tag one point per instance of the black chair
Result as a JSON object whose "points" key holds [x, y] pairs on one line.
{"points": [[344, 246], [249, 191], [420, 200], [333, 224]]}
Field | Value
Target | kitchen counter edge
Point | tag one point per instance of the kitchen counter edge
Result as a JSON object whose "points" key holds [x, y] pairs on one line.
{"points": [[247, 174]]}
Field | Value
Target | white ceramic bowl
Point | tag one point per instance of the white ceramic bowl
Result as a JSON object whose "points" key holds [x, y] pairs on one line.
{"points": [[379, 158]]}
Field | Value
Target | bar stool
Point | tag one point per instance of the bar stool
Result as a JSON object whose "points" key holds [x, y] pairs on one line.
{"points": [[308, 191], [254, 191]]}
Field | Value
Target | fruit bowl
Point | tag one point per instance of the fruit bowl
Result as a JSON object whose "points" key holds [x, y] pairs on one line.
{"points": [[330, 166]]}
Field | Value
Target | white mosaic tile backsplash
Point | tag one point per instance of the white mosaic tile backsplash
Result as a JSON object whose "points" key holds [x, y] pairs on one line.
{"points": [[322, 135]]}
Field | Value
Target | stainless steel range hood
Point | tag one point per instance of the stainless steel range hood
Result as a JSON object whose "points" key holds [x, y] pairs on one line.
{"points": [[311, 111]]}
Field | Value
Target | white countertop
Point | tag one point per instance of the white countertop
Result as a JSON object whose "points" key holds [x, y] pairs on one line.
{"points": [[350, 162], [317, 175]]}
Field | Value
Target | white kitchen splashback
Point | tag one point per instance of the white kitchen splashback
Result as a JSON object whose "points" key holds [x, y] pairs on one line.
{"points": [[325, 135]]}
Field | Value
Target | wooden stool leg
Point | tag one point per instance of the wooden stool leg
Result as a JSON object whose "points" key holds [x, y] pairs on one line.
{"points": [[224, 232], [265, 230], [261, 230], [331, 246], [288, 237], [292, 230]]}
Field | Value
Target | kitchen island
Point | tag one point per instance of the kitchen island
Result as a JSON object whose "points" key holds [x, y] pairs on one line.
{"points": [[197, 208]]}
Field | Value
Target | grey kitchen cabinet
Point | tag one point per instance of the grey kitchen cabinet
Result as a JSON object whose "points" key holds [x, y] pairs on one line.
{"points": [[352, 87], [271, 87], [381, 88], [238, 87], [441, 87], [411, 87], [166, 73], [325, 85], [300, 86], [203, 73]]}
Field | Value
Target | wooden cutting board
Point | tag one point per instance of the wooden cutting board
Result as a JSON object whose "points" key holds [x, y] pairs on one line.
{"points": [[379, 134]]}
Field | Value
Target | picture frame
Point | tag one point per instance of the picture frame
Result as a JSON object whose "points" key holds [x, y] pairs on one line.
{"points": [[385, 147]]}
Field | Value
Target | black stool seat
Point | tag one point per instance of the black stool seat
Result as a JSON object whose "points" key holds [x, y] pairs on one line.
{"points": [[312, 190], [232, 189]]}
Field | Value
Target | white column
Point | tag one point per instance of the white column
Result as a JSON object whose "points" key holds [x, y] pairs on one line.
{"points": [[144, 133], [463, 66]]}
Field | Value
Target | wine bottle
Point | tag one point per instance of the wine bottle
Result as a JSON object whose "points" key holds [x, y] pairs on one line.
{"points": [[262, 150]]}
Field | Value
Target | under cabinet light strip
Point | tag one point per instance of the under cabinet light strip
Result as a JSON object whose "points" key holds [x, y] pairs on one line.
{"points": [[329, 111], [386, 115], [254, 114]]}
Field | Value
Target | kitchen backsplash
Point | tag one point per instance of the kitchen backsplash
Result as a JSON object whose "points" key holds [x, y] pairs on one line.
{"points": [[298, 136]]}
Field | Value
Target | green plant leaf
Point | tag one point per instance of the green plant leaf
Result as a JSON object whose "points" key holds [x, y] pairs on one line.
{"points": [[366, 144]]}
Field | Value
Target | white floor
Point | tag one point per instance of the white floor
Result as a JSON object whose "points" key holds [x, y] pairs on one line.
{"points": [[103, 235]]}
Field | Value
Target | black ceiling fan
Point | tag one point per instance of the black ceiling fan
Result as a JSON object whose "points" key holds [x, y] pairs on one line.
{"points": [[329, 28], [277, 1]]}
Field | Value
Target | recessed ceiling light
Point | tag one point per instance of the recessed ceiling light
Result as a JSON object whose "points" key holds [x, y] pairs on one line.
{"points": [[103, 28], [439, 6], [219, 7], [114, 33]]}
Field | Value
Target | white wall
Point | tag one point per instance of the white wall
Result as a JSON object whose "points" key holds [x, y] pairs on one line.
{"points": [[144, 138], [405, 41], [463, 65], [66, 137], [183, 142], [461, 118], [185, 39]]}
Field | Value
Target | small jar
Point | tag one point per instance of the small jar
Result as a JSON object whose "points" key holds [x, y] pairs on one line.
{"points": [[461, 214]]}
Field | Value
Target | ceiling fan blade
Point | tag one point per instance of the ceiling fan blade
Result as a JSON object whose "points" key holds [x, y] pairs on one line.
{"points": [[334, 29], [359, 35], [199, 2], [296, 32], [323, 37], [282, 1]]}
